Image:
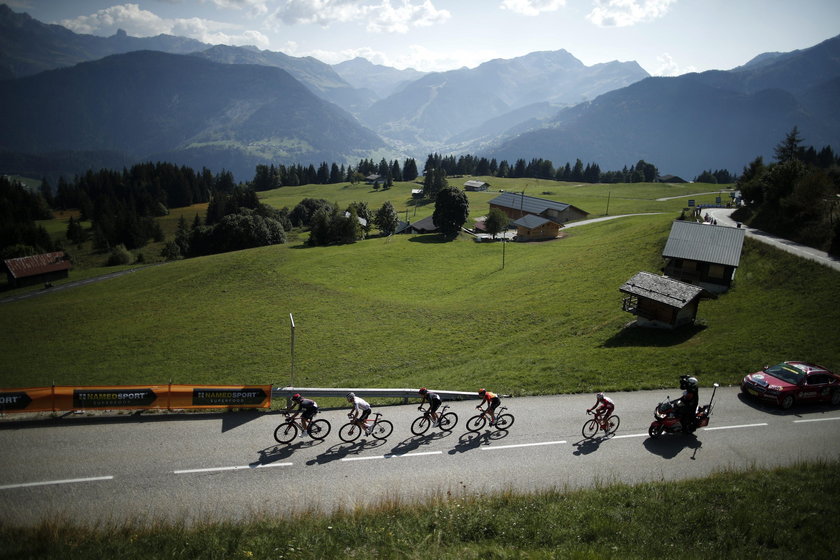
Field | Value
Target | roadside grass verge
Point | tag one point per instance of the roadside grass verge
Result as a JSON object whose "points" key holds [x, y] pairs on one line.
{"points": [[412, 310], [781, 513]]}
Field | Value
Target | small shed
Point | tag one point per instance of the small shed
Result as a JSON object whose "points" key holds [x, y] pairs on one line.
{"points": [[536, 228], [37, 269], [659, 301], [703, 254], [371, 179], [476, 186]]}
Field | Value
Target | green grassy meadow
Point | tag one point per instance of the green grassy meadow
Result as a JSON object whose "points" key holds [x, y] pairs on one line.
{"points": [[409, 310]]}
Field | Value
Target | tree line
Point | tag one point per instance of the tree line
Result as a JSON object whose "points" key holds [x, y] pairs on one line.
{"points": [[797, 196], [267, 177]]}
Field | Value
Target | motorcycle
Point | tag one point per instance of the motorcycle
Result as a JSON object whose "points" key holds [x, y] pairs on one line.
{"points": [[666, 420]]}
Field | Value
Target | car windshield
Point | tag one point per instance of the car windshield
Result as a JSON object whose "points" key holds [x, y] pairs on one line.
{"points": [[786, 372]]}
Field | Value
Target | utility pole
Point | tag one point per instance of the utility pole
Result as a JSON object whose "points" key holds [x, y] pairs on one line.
{"points": [[609, 194], [292, 381]]}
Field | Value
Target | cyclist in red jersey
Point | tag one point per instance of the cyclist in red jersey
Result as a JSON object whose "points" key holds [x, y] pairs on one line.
{"points": [[492, 401], [605, 406]]}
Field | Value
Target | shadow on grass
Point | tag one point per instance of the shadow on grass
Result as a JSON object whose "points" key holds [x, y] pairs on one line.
{"points": [[669, 446], [638, 336], [431, 238]]}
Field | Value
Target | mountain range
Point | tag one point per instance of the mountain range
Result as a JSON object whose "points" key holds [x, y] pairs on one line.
{"points": [[71, 101]]}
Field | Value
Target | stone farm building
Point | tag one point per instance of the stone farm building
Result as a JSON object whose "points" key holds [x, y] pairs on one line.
{"points": [[703, 254]]}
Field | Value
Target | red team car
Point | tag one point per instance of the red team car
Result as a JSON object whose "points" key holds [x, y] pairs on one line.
{"points": [[792, 382]]}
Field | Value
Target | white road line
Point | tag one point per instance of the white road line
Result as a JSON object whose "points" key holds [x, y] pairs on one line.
{"points": [[734, 427], [815, 420], [393, 456], [521, 445], [236, 468], [630, 435], [48, 482]]}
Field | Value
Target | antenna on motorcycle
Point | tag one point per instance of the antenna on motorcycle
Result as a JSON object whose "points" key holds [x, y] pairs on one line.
{"points": [[715, 385]]}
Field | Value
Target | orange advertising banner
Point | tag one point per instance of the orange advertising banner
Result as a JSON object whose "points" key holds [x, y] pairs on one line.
{"points": [[121, 397]]}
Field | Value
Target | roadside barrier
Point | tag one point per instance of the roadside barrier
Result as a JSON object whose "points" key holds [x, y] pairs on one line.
{"points": [[133, 397], [364, 392]]}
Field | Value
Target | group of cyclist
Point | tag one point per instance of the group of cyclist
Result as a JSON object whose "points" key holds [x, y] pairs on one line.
{"points": [[603, 407]]}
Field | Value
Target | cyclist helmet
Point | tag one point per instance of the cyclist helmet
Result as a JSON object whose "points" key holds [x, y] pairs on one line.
{"points": [[351, 396], [423, 391], [599, 396], [482, 391], [691, 382], [296, 397]]}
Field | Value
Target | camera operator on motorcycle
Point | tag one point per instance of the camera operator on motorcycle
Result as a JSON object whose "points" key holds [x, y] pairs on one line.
{"points": [[686, 405]]}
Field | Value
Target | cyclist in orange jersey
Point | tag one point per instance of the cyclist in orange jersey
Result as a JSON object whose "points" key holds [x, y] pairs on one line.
{"points": [[492, 401]]}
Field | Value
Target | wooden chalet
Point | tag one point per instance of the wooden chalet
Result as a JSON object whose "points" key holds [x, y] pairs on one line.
{"points": [[536, 228], [703, 254], [517, 205], [659, 301], [37, 269]]}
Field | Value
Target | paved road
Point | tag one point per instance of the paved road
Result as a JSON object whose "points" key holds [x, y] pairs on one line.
{"points": [[226, 466], [722, 215]]}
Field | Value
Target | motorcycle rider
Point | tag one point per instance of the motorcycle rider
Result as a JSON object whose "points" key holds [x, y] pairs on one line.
{"points": [[686, 405]]}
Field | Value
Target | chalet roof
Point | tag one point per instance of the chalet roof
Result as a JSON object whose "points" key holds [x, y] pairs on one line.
{"points": [[427, 224], [531, 221], [705, 243], [529, 204], [475, 184], [22, 267], [662, 289]]}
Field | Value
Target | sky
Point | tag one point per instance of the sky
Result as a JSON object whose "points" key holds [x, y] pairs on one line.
{"points": [[666, 37]]}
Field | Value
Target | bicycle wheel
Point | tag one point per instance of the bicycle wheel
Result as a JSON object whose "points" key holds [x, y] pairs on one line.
{"points": [[319, 429], [420, 425], [286, 432], [475, 423], [504, 421], [612, 424], [382, 429], [349, 432], [448, 421], [590, 428]]}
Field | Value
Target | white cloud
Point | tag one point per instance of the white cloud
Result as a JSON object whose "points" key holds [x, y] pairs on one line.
{"points": [[624, 13], [667, 66], [252, 7], [532, 7], [143, 23], [390, 16]]}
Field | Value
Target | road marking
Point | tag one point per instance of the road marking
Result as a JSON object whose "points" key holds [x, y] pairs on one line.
{"points": [[815, 420], [521, 445], [236, 468], [630, 435], [393, 456], [48, 482], [733, 427]]}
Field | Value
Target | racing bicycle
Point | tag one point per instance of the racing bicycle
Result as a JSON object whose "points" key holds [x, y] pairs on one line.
{"points": [[446, 421], [591, 426], [287, 431], [379, 428], [504, 420]]}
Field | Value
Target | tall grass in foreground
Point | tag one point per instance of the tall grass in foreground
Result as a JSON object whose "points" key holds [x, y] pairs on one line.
{"points": [[783, 513]]}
